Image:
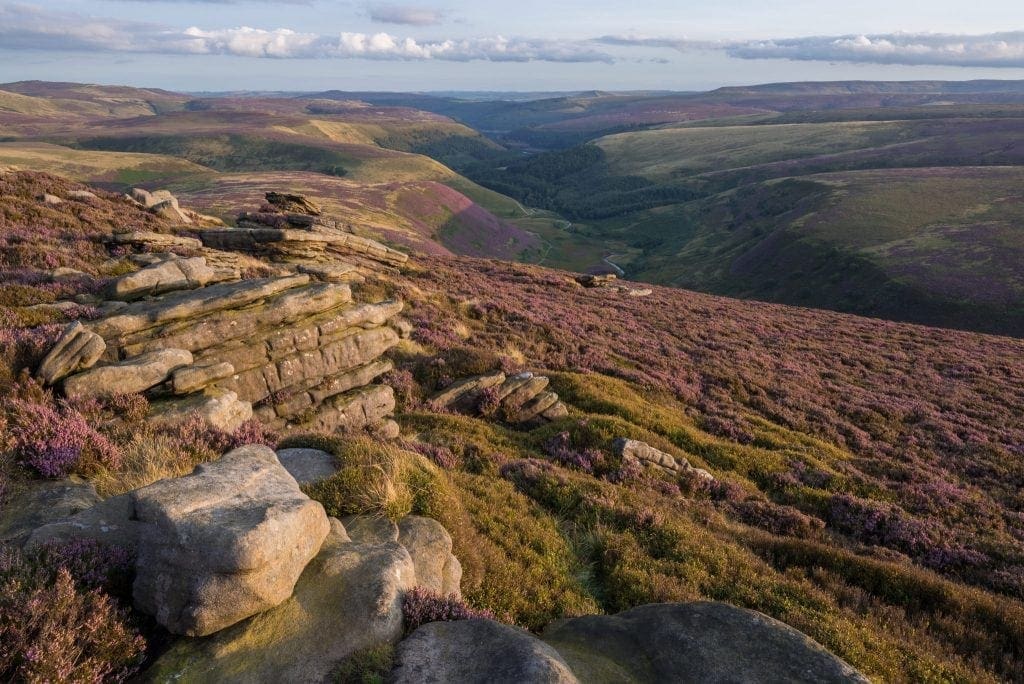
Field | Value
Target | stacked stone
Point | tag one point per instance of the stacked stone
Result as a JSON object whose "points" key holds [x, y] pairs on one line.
{"points": [[520, 398], [291, 228], [302, 350]]}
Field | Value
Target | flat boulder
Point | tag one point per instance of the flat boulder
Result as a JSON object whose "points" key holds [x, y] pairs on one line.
{"points": [[159, 278], [76, 349], [137, 374], [224, 543], [220, 409], [693, 642], [477, 652]]}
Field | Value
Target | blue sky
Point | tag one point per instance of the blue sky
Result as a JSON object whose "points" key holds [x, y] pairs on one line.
{"points": [[522, 45]]}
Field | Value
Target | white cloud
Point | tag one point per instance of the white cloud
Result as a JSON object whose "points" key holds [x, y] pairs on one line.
{"points": [[988, 50], [29, 28], [409, 15]]}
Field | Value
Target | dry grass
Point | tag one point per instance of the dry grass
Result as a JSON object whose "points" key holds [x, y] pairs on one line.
{"points": [[147, 459]]}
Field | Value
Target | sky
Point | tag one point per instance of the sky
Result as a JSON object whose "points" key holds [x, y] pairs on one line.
{"points": [[526, 45]]}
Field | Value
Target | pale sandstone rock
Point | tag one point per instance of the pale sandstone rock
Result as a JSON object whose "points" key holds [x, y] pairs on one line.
{"points": [[133, 375], [224, 543], [76, 349]]}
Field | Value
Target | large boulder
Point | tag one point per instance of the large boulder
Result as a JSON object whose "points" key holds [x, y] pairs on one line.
{"points": [[76, 349], [347, 599], [430, 546], [137, 374], [693, 642], [478, 652], [224, 543], [164, 276]]}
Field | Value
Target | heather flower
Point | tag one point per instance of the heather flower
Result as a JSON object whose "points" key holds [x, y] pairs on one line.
{"points": [[420, 606], [56, 440], [561, 450]]}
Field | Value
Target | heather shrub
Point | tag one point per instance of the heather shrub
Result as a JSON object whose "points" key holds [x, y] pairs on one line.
{"points": [[408, 394], [420, 606], [783, 520], [54, 627], [560, 448], [55, 440], [454, 363], [441, 455], [884, 524]]}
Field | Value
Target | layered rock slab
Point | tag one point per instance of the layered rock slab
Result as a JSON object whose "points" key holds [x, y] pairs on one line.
{"points": [[136, 374]]}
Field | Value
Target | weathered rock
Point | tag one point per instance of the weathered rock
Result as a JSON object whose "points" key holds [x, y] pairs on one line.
{"points": [[403, 327], [645, 292], [111, 521], [166, 276], [511, 385], [308, 465], [170, 210], [347, 599], [193, 303], [477, 652], [465, 388], [536, 406], [156, 241], [556, 412], [295, 203], [81, 195], [76, 349], [42, 503], [334, 272], [370, 529], [645, 454], [522, 394], [430, 546], [289, 243], [386, 430], [353, 410], [62, 272], [693, 642], [188, 379], [221, 409], [133, 375], [224, 543], [596, 280]]}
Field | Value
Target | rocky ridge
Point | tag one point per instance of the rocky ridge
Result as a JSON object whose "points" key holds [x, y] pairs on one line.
{"points": [[295, 348]]}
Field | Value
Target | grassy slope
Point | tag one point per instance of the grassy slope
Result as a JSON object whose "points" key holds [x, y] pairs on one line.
{"points": [[795, 408], [222, 154], [884, 218]]}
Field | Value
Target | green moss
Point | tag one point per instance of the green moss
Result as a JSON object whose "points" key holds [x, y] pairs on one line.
{"points": [[369, 666]]}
